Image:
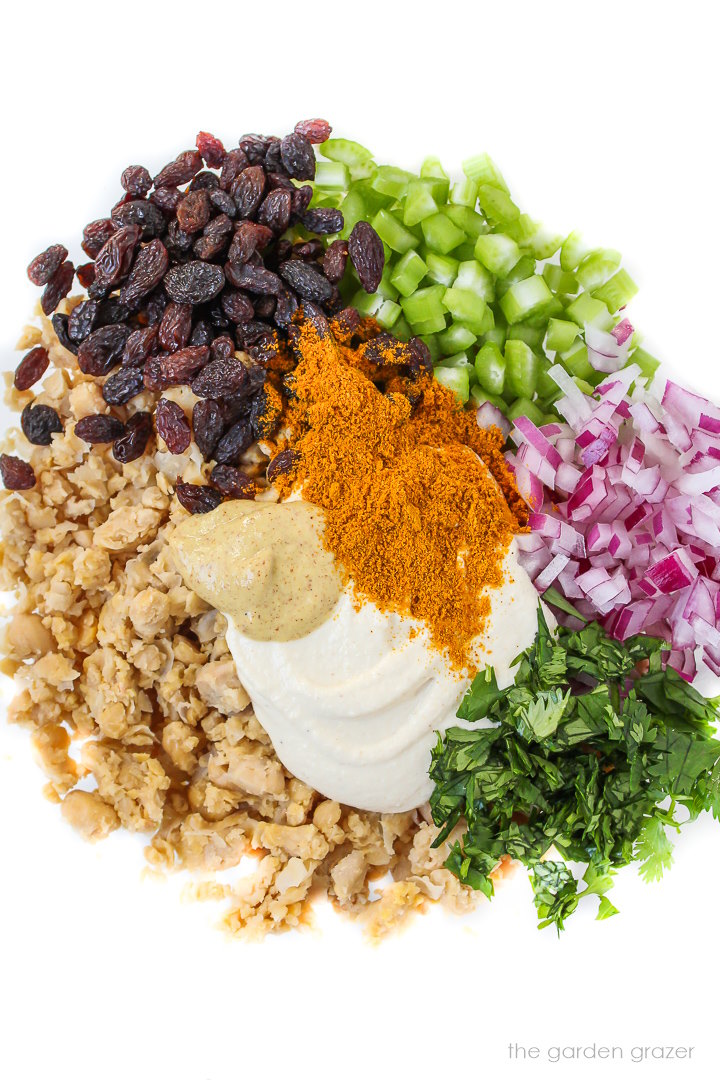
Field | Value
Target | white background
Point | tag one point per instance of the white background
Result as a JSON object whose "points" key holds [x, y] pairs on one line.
{"points": [[601, 115]]}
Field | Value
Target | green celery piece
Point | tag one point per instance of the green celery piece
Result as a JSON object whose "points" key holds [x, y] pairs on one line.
{"points": [[547, 389], [524, 298], [332, 176], [498, 253], [552, 310], [431, 340], [389, 180], [408, 273], [559, 280], [572, 252], [521, 370], [596, 267], [648, 364], [456, 338], [442, 269], [521, 230], [523, 269], [524, 407], [483, 170], [367, 304], [419, 203], [402, 329], [456, 360], [575, 361], [531, 335], [393, 232], [388, 314], [464, 193], [496, 336], [561, 334], [586, 387], [432, 170], [588, 309], [455, 379], [440, 234], [467, 307], [437, 187], [365, 170], [467, 219], [479, 396], [424, 310], [345, 151], [490, 368], [474, 276], [354, 210], [543, 244], [326, 198], [386, 288], [617, 292], [497, 204], [435, 324]]}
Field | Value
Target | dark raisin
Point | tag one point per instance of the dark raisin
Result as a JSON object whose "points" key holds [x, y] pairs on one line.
{"points": [[139, 346], [148, 270], [301, 198], [141, 212], [178, 242], [31, 368], [85, 274], [155, 304], [308, 250], [264, 350], [223, 347], [215, 238], [256, 279], [247, 190], [264, 414], [275, 210], [285, 308], [60, 326], [197, 498], [280, 252], [234, 443], [212, 150], [279, 180], [223, 202], [315, 131], [83, 320], [367, 255], [16, 474], [298, 156], [344, 325], [233, 482], [57, 287], [307, 281], [335, 261], [177, 368], [281, 463], [208, 422], [420, 362], [96, 235], [167, 198], [152, 374], [236, 305], [254, 147], [322, 220], [217, 318], [133, 442], [193, 212], [113, 262], [194, 282], [47, 263], [39, 424], [250, 332], [180, 171], [99, 428], [125, 384], [273, 158], [202, 334], [110, 311], [220, 377], [204, 181], [102, 350], [264, 307], [235, 162], [249, 237], [172, 426], [136, 180]]}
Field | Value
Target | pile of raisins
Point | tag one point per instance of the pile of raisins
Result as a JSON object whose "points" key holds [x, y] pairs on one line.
{"points": [[190, 266]]}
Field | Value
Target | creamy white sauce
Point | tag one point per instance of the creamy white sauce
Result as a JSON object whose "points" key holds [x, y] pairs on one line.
{"points": [[352, 707]]}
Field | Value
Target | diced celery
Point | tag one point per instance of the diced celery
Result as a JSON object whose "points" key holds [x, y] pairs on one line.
{"points": [[616, 292], [572, 251], [546, 388], [392, 231], [321, 197], [522, 367], [441, 235], [490, 368], [442, 269], [390, 180], [419, 203], [524, 407], [458, 359], [467, 307], [531, 335], [433, 325], [345, 151], [478, 396], [432, 170], [497, 252], [455, 379], [386, 288], [496, 336], [497, 204], [586, 308], [586, 387], [524, 298], [431, 340], [456, 338], [464, 193], [575, 360], [559, 280], [552, 310], [364, 170], [467, 219], [432, 166], [402, 329], [332, 176], [408, 273], [522, 269], [366, 303], [596, 267], [483, 170], [465, 252], [374, 200], [645, 361], [543, 243], [473, 275], [561, 334], [522, 229], [388, 314], [425, 305]]}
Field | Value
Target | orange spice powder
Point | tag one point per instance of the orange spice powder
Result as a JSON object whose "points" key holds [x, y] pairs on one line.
{"points": [[419, 506]]}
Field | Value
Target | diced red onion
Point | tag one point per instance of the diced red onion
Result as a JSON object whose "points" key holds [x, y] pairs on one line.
{"points": [[488, 415]]}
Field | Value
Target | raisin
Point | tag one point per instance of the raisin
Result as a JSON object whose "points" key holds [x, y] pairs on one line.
{"points": [[141, 212], [202, 334], [264, 307], [47, 263], [83, 319], [367, 255], [215, 238], [39, 424], [125, 384], [275, 210], [198, 498], [148, 270], [281, 463], [308, 250], [114, 260], [273, 158], [204, 181], [155, 305], [193, 212], [223, 376], [335, 261], [247, 190], [249, 237], [178, 241], [223, 347], [323, 220], [235, 162], [32, 367], [301, 198], [152, 374], [208, 422], [172, 426], [256, 279], [315, 131], [298, 156], [60, 326], [178, 368], [85, 274], [99, 428], [194, 282], [285, 308], [180, 171], [344, 325], [420, 362], [167, 198], [102, 350], [250, 332], [234, 443], [139, 346], [17, 475], [57, 287], [307, 281], [233, 482], [136, 180], [96, 235], [254, 147], [279, 180], [236, 306], [133, 441], [110, 311], [211, 149], [223, 202]]}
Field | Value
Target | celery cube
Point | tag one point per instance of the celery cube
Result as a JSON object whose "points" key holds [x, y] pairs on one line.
{"points": [[561, 334], [408, 273], [345, 151], [467, 307], [441, 235], [490, 368], [524, 298], [497, 252], [483, 170], [442, 269], [455, 379], [472, 275], [393, 232], [419, 203], [587, 309]]}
